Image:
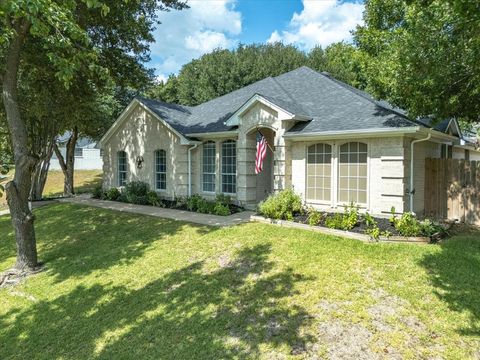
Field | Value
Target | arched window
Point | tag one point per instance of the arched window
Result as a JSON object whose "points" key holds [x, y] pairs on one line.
{"points": [[352, 174], [160, 170], [208, 166], [122, 168], [319, 172], [229, 166]]}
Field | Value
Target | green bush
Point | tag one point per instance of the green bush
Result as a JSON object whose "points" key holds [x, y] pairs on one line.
{"points": [[346, 221], [221, 209], [136, 192], [314, 217], [223, 199], [153, 198], [192, 202], [112, 194], [97, 192], [282, 205], [408, 225], [205, 207], [372, 229], [334, 221]]}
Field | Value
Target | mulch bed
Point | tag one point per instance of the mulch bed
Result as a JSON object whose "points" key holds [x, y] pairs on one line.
{"points": [[383, 224], [170, 204]]}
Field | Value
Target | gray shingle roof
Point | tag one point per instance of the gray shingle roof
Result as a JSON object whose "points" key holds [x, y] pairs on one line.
{"points": [[331, 104]]}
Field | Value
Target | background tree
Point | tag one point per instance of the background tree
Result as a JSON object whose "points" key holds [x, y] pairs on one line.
{"points": [[423, 55], [69, 47]]}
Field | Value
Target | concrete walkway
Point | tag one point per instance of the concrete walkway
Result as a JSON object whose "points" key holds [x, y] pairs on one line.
{"points": [[181, 215]]}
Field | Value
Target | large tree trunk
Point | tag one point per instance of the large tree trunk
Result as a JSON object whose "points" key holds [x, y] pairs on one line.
{"points": [[67, 163], [18, 189]]}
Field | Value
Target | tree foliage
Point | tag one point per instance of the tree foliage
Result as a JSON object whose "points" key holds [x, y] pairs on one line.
{"points": [[223, 71], [423, 55]]}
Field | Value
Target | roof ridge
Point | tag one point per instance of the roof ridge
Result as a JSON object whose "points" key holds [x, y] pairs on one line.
{"points": [[289, 95], [231, 92]]}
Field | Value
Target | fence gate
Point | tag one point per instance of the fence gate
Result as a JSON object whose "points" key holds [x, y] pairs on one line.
{"points": [[452, 189]]}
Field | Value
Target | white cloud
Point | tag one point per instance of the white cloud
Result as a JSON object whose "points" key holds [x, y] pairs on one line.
{"points": [[321, 23], [187, 34]]}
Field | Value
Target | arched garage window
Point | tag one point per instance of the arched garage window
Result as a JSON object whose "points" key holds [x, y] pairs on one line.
{"points": [[229, 166], [160, 170], [122, 168], [319, 172], [352, 174], [208, 166]]}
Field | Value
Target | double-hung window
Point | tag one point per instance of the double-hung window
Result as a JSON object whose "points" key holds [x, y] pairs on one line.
{"points": [[122, 168], [208, 166], [229, 166], [160, 170]]}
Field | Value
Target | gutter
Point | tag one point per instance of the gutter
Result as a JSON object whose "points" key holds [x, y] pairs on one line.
{"points": [[412, 190], [351, 133], [190, 168]]}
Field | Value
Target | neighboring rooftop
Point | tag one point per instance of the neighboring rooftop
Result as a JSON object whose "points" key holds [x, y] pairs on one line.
{"points": [[331, 104]]}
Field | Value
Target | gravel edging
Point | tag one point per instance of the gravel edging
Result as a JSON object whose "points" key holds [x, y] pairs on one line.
{"points": [[342, 233]]}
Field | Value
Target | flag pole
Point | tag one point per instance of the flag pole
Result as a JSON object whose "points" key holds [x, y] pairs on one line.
{"points": [[268, 145]]}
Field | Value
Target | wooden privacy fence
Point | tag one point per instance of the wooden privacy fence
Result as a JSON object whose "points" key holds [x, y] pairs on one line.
{"points": [[452, 189]]}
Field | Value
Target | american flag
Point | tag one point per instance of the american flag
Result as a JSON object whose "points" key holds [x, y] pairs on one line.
{"points": [[261, 153]]}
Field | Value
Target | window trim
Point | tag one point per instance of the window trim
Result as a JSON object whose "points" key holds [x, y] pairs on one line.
{"points": [[234, 141], [338, 202], [155, 172], [215, 167], [119, 182], [332, 177]]}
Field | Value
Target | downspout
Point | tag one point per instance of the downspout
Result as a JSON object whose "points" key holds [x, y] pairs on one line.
{"points": [[412, 190], [190, 169]]}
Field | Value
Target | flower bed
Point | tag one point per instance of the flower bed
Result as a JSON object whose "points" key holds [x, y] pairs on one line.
{"points": [[285, 207], [139, 193]]}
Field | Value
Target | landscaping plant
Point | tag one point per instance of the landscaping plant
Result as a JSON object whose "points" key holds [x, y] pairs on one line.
{"points": [[282, 205]]}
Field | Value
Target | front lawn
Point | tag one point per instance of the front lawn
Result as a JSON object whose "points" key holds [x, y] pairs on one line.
{"points": [[84, 181], [119, 285]]}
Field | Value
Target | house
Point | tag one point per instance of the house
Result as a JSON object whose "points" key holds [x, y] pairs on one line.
{"points": [[87, 155], [329, 141]]}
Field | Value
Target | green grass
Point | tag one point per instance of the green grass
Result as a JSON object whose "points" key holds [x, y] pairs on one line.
{"points": [[119, 286], [84, 181]]}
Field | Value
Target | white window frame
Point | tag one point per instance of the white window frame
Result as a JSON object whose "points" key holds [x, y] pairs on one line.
{"points": [[338, 202], [222, 173], [158, 173], [214, 173], [332, 167], [121, 172]]}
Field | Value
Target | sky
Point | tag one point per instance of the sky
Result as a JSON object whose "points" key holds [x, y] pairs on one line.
{"points": [[209, 24]]}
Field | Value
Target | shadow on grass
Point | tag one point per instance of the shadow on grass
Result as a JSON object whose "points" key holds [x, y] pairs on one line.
{"points": [[75, 240], [455, 273], [191, 313]]}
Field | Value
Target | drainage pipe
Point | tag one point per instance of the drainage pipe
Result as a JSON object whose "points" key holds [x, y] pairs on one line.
{"points": [[190, 168], [412, 190]]}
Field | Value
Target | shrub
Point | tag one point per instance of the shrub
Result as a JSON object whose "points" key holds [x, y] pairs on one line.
{"points": [[136, 192], [429, 228], [407, 225], [153, 198], [205, 207], [221, 209], [346, 221], [192, 202], [334, 221], [314, 217], [112, 194], [282, 205], [223, 199], [372, 229], [97, 192]]}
